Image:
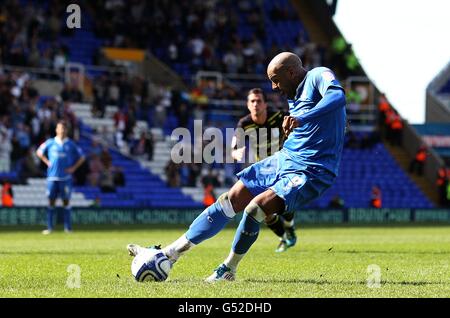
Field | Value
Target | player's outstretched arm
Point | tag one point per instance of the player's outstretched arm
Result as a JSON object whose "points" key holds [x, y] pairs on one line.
{"points": [[332, 100]]}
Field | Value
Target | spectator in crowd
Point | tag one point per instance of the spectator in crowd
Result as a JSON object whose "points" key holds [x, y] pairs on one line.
{"points": [[195, 170], [447, 197], [95, 169], [383, 108], [336, 202], [211, 178], [105, 156], [120, 125], [144, 146], [396, 129], [172, 174], [5, 151], [7, 194], [96, 148], [119, 177], [106, 135], [209, 197], [394, 126], [30, 169], [96, 203], [376, 197], [71, 93], [59, 60], [442, 183], [418, 163], [106, 182]]}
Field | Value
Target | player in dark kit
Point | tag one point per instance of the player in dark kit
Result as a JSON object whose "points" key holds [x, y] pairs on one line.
{"points": [[263, 126]]}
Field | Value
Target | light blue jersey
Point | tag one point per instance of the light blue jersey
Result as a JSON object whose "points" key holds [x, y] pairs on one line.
{"points": [[319, 139], [62, 155], [308, 163]]}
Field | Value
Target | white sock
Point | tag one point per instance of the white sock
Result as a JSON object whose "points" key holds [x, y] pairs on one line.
{"points": [[288, 223], [177, 248], [233, 260]]}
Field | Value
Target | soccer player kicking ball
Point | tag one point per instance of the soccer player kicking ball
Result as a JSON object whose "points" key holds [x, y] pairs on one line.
{"points": [[62, 158], [264, 127], [300, 172]]}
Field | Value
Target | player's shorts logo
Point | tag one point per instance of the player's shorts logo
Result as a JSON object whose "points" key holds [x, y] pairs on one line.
{"points": [[295, 182]]}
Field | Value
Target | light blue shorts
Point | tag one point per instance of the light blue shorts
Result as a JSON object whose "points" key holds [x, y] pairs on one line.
{"points": [[296, 183], [59, 189]]}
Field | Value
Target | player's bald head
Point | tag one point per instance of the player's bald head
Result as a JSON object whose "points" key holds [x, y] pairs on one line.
{"points": [[284, 60], [286, 72]]}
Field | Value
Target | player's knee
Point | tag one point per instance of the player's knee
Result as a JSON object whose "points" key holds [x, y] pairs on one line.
{"points": [[255, 211], [226, 205], [235, 200]]}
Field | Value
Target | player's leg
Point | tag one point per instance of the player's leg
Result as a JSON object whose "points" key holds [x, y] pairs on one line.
{"points": [[275, 222], [52, 192], [289, 238], [211, 221], [290, 192], [66, 193], [262, 206]]}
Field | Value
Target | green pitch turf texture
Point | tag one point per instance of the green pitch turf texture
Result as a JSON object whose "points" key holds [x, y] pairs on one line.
{"points": [[327, 262]]}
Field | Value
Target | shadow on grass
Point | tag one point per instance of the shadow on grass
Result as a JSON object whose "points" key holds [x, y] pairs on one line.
{"points": [[43, 253], [393, 252], [327, 282]]}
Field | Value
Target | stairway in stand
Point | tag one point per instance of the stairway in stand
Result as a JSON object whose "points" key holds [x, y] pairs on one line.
{"points": [[404, 159]]}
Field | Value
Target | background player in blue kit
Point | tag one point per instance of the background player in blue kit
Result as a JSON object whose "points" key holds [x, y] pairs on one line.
{"points": [[62, 157], [300, 172]]}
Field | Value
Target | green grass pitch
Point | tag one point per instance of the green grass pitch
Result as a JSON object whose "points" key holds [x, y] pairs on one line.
{"points": [[329, 261]]}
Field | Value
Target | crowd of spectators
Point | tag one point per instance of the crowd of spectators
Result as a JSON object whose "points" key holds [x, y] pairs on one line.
{"points": [[202, 34], [29, 34], [28, 119]]}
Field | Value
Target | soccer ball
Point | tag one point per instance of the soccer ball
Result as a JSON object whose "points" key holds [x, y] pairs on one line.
{"points": [[151, 265]]}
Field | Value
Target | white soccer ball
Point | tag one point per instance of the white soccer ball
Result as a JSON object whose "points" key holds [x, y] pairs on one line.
{"points": [[151, 265]]}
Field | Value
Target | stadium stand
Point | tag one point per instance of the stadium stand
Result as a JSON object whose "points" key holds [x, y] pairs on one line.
{"points": [[142, 188], [160, 108]]}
